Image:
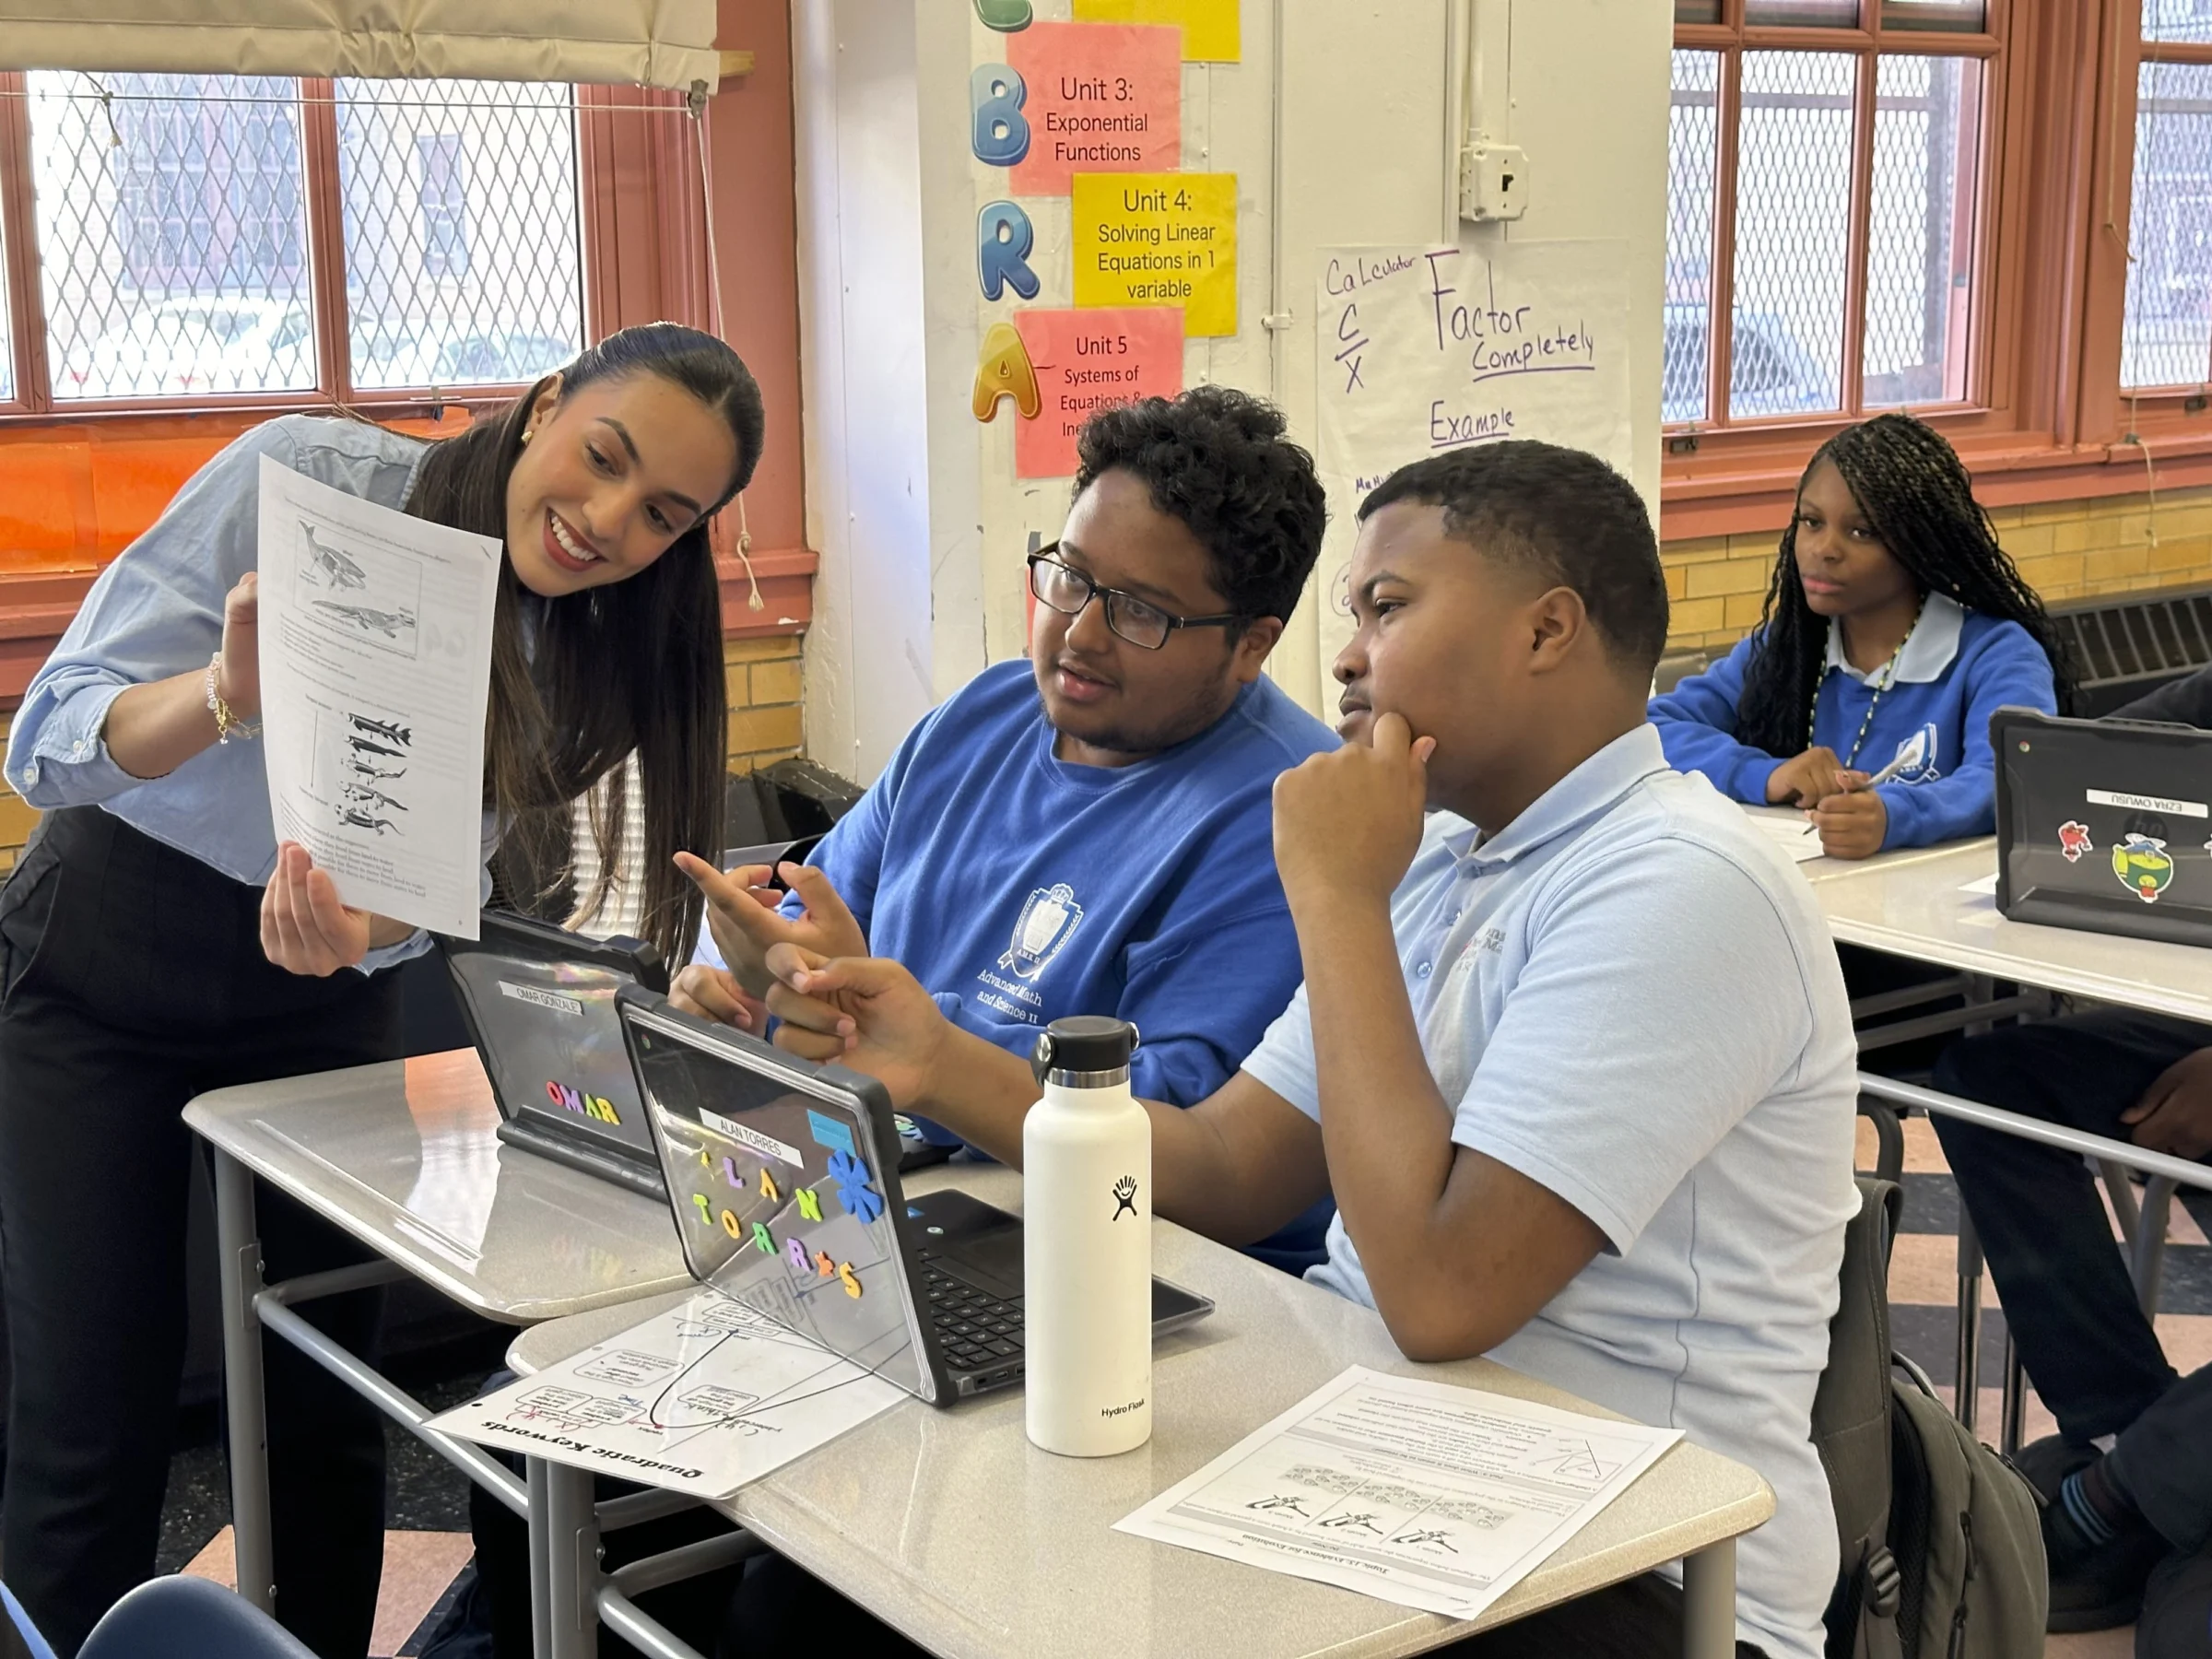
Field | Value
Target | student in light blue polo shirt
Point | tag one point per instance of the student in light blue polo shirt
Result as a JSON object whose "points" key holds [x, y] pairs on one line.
{"points": [[1574, 1053]]}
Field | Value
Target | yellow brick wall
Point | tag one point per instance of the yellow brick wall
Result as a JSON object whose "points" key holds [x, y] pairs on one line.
{"points": [[763, 677], [2066, 550], [763, 681]]}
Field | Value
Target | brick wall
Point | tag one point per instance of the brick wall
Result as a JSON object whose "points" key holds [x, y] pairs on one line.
{"points": [[763, 681], [763, 677], [2066, 550]]}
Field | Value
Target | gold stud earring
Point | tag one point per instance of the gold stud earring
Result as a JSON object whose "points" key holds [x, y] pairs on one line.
{"points": [[525, 436]]}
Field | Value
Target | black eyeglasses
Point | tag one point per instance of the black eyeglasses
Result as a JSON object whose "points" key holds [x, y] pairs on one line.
{"points": [[1068, 590]]}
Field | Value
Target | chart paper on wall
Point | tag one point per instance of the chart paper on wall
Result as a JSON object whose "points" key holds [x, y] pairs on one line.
{"points": [[1420, 349], [375, 633]]}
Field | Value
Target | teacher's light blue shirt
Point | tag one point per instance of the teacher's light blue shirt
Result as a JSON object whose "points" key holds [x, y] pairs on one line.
{"points": [[157, 612]]}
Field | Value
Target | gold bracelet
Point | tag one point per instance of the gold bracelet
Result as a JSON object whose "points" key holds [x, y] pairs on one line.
{"points": [[226, 724]]}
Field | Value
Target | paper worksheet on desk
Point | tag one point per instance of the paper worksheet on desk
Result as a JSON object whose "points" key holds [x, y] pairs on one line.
{"points": [[1414, 1492], [375, 668], [702, 1399]]}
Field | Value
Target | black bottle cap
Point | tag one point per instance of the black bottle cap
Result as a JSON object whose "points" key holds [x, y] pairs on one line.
{"points": [[1087, 1042]]}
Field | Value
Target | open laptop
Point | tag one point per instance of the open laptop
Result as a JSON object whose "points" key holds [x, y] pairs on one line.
{"points": [[783, 1179], [540, 1005], [2104, 825]]}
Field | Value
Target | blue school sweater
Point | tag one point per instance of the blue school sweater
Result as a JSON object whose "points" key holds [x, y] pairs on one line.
{"points": [[1956, 669], [1018, 887]]}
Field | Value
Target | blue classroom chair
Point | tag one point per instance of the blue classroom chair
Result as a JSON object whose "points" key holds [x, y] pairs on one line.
{"points": [[177, 1618]]}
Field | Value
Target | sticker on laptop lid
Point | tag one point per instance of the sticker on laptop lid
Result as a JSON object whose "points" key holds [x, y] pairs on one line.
{"points": [[2143, 803], [2074, 840], [543, 999], [2142, 865], [766, 1145], [827, 1132]]}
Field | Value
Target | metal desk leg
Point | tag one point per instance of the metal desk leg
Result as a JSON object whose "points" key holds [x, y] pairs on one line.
{"points": [[240, 1245], [571, 1552], [2015, 1426], [1709, 1602], [541, 1589], [1966, 1401]]}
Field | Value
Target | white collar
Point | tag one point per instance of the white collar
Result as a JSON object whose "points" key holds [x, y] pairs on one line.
{"points": [[1928, 651]]}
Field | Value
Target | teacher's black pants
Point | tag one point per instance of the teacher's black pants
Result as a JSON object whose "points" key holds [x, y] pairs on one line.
{"points": [[132, 979]]}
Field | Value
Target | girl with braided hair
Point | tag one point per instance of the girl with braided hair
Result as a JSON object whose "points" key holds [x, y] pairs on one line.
{"points": [[1894, 627]]}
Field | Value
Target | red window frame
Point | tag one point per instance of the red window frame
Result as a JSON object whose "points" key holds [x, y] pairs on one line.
{"points": [[2046, 419]]}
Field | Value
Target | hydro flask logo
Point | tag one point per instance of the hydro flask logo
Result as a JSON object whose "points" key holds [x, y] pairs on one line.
{"points": [[1124, 1197]]}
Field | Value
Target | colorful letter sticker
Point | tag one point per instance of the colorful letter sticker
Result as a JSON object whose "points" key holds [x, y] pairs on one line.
{"points": [[1158, 239], [1085, 360], [768, 1189], [823, 1265], [729, 1175], [794, 1252], [2074, 840], [810, 1204], [762, 1241], [830, 1133], [853, 1192], [1003, 237], [1004, 370], [1102, 98], [731, 1225], [706, 1210], [999, 131], [851, 1279], [1212, 31]]}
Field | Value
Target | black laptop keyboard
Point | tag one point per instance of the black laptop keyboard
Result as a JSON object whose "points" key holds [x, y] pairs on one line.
{"points": [[976, 1331]]}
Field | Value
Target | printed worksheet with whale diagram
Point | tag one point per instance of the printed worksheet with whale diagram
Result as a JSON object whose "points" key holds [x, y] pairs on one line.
{"points": [[375, 668]]}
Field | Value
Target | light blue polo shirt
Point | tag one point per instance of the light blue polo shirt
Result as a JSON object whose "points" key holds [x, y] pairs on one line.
{"points": [[1633, 1001]]}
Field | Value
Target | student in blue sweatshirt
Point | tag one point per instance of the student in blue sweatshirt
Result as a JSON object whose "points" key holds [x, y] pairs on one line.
{"points": [[1087, 831], [1895, 626]]}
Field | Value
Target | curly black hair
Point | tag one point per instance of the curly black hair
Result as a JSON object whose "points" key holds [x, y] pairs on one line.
{"points": [[1918, 500], [1216, 459], [1559, 512]]}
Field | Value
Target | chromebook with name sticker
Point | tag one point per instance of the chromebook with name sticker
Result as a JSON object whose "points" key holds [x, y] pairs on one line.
{"points": [[2104, 825], [784, 1180], [540, 1003]]}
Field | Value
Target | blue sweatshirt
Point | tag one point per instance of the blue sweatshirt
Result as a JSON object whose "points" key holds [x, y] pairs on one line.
{"points": [[1018, 888], [1958, 668]]}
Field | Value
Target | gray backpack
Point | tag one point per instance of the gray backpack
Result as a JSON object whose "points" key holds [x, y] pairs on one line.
{"points": [[1942, 1539]]}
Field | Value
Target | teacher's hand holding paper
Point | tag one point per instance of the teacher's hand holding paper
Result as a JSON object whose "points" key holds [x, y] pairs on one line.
{"points": [[304, 927]]}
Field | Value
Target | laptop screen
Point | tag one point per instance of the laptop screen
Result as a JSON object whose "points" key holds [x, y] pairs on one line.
{"points": [[775, 1178], [551, 1042]]}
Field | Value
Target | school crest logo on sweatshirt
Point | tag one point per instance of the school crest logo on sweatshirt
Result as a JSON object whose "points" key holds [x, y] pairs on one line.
{"points": [[1046, 923]]}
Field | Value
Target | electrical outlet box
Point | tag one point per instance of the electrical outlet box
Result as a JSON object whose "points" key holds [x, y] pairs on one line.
{"points": [[1493, 181]]}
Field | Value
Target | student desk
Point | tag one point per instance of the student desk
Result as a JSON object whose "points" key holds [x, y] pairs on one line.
{"points": [[1919, 910], [949, 1526], [404, 1156]]}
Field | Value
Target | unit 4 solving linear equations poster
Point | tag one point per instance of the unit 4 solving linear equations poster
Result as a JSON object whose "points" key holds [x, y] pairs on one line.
{"points": [[1419, 349], [375, 634]]}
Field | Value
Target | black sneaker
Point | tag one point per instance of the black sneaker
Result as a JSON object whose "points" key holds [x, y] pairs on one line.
{"points": [[2046, 1462], [2098, 1587]]}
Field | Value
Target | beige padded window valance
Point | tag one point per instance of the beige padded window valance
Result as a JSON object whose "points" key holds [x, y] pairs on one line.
{"points": [[635, 42]]}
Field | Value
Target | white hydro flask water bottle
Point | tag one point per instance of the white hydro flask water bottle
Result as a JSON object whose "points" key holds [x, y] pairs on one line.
{"points": [[1087, 1224]]}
